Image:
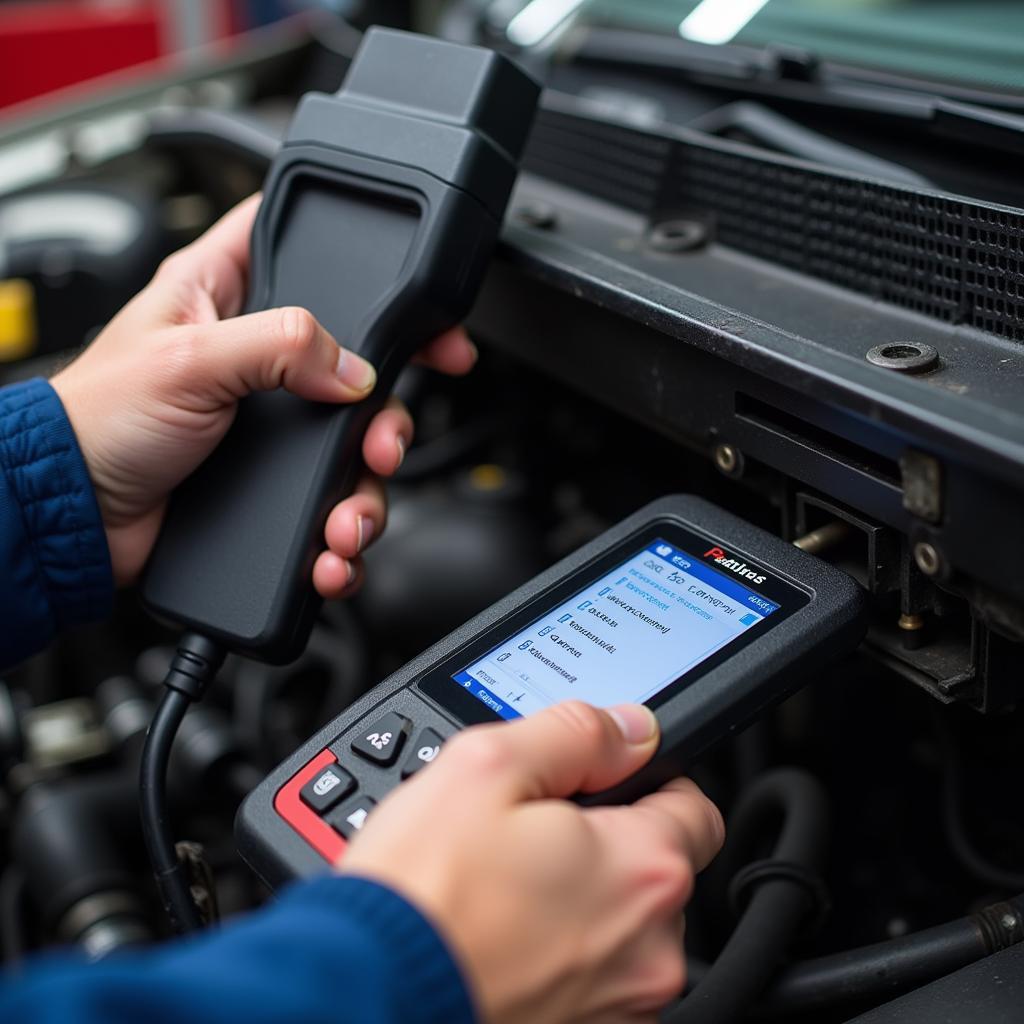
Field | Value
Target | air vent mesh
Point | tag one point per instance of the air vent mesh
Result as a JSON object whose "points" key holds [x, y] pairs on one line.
{"points": [[955, 260]]}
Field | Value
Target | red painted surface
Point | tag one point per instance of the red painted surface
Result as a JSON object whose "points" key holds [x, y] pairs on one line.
{"points": [[309, 825], [50, 44], [44, 46]]}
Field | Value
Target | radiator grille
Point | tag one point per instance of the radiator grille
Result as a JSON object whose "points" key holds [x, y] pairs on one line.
{"points": [[946, 257]]}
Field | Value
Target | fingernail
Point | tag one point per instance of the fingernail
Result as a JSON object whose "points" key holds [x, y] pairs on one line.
{"points": [[400, 442], [475, 351], [364, 534], [355, 371], [717, 823], [636, 722], [351, 572]]}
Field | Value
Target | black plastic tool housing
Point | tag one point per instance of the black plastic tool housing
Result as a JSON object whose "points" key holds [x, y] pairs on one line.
{"points": [[701, 711], [379, 216]]}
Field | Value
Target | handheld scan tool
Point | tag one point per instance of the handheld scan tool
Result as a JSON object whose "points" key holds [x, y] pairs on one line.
{"points": [[379, 215], [682, 606]]}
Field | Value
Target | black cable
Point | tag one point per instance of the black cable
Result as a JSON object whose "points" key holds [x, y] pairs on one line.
{"points": [[12, 901], [779, 908], [856, 979], [171, 879], [432, 458], [194, 665]]}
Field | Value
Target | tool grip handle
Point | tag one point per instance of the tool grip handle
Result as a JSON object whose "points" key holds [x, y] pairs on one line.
{"points": [[386, 257], [379, 216]]}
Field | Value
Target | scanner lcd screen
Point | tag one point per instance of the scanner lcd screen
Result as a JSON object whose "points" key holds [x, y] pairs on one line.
{"points": [[625, 636]]}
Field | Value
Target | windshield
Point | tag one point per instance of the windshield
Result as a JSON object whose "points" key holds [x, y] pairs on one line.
{"points": [[976, 42]]}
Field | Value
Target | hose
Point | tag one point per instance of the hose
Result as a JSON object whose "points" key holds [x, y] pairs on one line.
{"points": [[859, 978], [76, 841], [969, 857], [780, 903]]}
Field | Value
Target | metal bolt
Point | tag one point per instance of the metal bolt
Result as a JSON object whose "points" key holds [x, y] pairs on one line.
{"points": [[538, 214], [677, 236], [728, 459], [912, 631], [904, 356], [823, 538], [927, 557]]}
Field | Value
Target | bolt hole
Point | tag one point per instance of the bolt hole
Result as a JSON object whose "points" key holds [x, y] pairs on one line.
{"points": [[904, 356], [902, 351], [927, 557], [677, 235]]}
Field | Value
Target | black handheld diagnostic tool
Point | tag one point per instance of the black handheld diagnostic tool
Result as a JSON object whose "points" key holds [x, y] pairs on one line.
{"points": [[379, 215], [682, 606]]}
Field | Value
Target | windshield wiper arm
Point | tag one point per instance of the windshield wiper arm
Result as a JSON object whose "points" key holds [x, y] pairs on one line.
{"points": [[793, 74], [769, 128]]}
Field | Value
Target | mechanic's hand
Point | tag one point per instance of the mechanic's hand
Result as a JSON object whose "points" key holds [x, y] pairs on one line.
{"points": [[156, 391], [556, 912]]}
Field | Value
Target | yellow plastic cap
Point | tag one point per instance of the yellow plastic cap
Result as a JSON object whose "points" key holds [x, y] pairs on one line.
{"points": [[17, 320]]}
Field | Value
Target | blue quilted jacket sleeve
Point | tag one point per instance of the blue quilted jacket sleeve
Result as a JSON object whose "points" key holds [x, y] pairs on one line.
{"points": [[332, 951], [54, 563]]}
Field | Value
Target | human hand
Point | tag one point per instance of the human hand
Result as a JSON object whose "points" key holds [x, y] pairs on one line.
{"points": [[156, 391], [556, 912]]}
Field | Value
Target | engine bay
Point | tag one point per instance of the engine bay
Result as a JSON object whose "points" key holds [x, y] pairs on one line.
{"points": [[832, 354]]}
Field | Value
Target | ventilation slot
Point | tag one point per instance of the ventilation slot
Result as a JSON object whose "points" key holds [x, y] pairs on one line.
{"points": [[798, 430]]}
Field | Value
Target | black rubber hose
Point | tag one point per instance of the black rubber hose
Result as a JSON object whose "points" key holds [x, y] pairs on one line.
{"points": [[859, 978], [962, 846], [170, 874], [779, 907], [76, 840]]}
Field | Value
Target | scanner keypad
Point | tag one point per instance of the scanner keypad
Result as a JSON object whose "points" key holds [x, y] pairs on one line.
{"points": [[328, 788], [329, 804], [382, 742], [350, 818]]}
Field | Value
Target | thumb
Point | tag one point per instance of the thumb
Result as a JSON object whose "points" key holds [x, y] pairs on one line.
{"points": [[275, 348], [573, 748]]}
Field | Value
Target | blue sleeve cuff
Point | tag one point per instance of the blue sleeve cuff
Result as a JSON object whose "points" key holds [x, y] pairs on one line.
{"points": [[52, 539], [331, 951], [423, 980]]}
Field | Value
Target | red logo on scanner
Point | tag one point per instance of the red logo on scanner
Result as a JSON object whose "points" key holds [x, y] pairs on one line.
{"points": [[740, 568]]}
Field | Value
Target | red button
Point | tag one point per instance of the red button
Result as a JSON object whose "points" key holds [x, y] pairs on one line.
{"points": [[309, 825]]}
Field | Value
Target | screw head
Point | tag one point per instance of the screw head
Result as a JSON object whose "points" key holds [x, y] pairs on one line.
{"points": [[904, 356], [927, 557], [728, 459], [677, 235], [538, 214]]}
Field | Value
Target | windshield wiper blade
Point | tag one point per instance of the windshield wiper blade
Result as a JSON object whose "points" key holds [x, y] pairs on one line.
{"points": [[769, 128], [792, 74]]}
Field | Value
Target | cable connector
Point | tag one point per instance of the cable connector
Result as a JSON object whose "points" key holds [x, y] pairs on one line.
{"points": [[196, 661]]}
